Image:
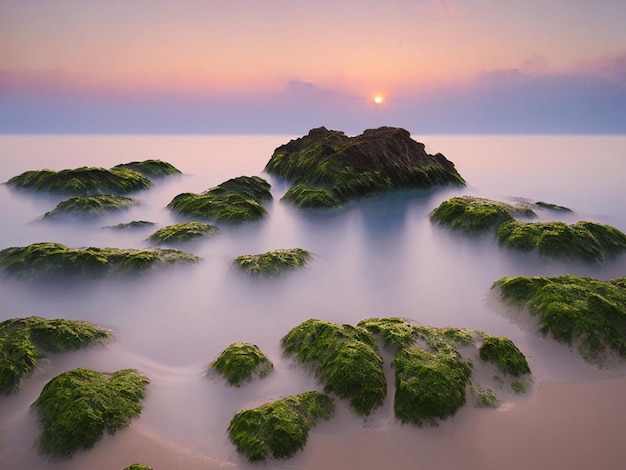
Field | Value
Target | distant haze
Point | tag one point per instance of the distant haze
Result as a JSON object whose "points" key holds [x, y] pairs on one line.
{"points": [[277, 66]]}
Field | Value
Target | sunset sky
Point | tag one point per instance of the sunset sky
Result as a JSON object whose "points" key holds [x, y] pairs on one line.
{"points": [[192, 66]]}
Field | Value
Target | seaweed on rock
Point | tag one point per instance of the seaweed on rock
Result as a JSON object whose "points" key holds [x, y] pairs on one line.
{"points": [[78, 406], [328, 168], [503, 352], [182, 232], [345, 358], [24, 340], [135, 224], [278, 429], [138, 466], [90, 205], [83, 181], [273, 262], [236, 200], [583, 240], [577, 311], [239, 362], [150, 168], [48, 260]]}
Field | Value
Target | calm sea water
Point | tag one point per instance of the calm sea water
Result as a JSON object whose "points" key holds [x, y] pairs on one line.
{"points": [[378, 257]]}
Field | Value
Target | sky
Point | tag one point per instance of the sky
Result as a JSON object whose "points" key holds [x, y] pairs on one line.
{"points": [[285, 66]]}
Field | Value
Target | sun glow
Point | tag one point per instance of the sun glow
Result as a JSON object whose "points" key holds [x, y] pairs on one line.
{"points": [[378, 99]]}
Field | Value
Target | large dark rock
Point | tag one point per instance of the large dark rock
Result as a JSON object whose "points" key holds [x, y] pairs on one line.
{"points": [[328, 168]]}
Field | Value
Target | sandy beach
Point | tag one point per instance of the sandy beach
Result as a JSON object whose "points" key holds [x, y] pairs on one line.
{"points": [[570, 426]]}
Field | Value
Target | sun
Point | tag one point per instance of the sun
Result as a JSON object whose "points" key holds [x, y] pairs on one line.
{"points": [[378, 99]]}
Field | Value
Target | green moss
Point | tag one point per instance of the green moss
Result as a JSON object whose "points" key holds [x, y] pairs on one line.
{"points": [[518, 387], [92, 205], [429, 386], [78, 406], [554, 207], [583, 240], [138, 466], [395, 332], [345, 359], [49, 260], [236, 200], [473, 214], [24, 340], [278, 429], [503, 352], [150, 168], [574, 310], [182, 232], [239, 362], [135, 224], [273, 262], [328, 168], [82, 181], [485, 398]]}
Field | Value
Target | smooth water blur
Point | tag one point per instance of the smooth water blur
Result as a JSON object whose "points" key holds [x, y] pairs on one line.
{"points": [[378, 257]]}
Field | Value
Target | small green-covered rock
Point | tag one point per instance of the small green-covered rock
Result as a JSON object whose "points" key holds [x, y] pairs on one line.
{"points": [[150, 168], [239, 362], [78, 406], [236, 200], [90, 205], [278, 429], [182, 232], [503, 352], [24, 340], [273, 262], [138, 466]]}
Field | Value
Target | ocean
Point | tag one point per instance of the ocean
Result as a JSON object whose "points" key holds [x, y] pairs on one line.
{"points": [[377, 257]]}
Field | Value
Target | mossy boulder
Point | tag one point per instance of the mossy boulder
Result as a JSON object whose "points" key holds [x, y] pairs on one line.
{"points": [[90, 205], [273, 262], [553, 207], [240, 362], [583, 240], [329, 169], [135, 224], [50, 260], [503, 352], [236, 200], [138, 466], [432, 377], [24, 340], [78, 406], [578, 311], [82, 181], [474, 214], [150, 168], [345, 359], [278, 429], [182, 232]]}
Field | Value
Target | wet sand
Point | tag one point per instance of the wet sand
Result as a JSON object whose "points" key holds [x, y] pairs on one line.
{"points": [[572, 426]]}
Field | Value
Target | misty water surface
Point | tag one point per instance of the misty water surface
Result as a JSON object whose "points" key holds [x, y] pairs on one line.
{"points": [[378, 257]]}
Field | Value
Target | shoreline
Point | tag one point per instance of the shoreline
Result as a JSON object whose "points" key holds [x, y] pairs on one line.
{"points": [[564, 425]]}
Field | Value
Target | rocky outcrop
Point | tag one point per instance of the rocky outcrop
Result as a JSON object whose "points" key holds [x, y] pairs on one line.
{"points": [[328, 168]]}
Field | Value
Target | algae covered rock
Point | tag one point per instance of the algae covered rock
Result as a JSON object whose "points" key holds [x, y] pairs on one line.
{"points": [[583, 240], [474, 214], [50, 260], [78, 406], [83, 181], [585, 313], [90, 205], [273, 262], [135, 224], [182, 232], [278, 429], [503, 352], [236, 200], [150, 168], [328, 168], [239, 362], [138, 466], [24, 340], [345, 358]]}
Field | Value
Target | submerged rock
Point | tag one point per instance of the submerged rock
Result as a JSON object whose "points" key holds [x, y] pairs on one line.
{"points": [[23, 341], [236, 200], [580, 312], [83, 181], [328, 168], [345, 358], [273, 262], [150, 168], [78, 406], [50, 260], [182, 232], [90, 205], [135, 224], [278, 429], [239, 362]]}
